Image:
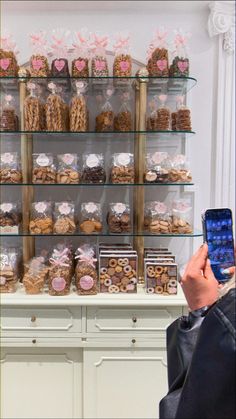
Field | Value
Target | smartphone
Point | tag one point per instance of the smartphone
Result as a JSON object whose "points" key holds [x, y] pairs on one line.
{"points": [[218, 233]]}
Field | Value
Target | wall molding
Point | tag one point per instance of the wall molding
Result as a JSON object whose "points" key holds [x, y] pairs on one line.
{"points": [[222, 21]]}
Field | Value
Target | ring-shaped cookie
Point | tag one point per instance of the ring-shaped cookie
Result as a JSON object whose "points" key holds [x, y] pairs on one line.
{"points": [[123, 261], [133, 280], [107, 282], [158, 289], [103, 270], [113, 289], [150, 272], [112, 263], [165, 279], [118, 268], [150, 290], [127, 269], [172, 283], [123, 288], [159, 270]]}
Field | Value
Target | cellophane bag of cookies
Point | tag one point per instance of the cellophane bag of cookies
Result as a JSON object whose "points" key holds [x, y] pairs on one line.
{"points": [[79, 118], [122, 66], [68, 169], [9, 269], [80, 62], [98, 45], [118, 218], [35, 276], [44, 169], [180, 54], [157, 167], [183, 119], [158, 64], [157, 218], [93, 168], [34, 110], [123, 120], [38, 61], [118, 272], [105, 118], [163, 115], [8, 62], [10, 218], [160, 277], [10, 168], [91, 217], [57, 111], [8, 118], [60, 272], [122, 170], [180, 171], [41, 221], [152, 114], [64, 218], [59, 48], [86, 277], [182, 213]]}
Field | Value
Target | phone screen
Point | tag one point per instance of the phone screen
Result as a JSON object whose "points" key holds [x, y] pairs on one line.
{"points": [[218, 231]]}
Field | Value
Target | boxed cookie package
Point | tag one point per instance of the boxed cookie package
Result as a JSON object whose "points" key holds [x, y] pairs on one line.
{"points": [[10, 168], [160, 276], [86, 277]]}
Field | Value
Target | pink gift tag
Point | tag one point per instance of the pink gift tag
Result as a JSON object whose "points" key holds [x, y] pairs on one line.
{"points": [[162, 64], [4, 63], [86, 282], [182, 66], [100, 65], [37, 64], [124, 65], [59, 64], [58, 283], [80, 64]]}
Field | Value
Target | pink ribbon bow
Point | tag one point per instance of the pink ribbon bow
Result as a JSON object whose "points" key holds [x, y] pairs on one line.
{"points": [[8, 44], [122, 43], [86, 256], [59, 257], [99, 42]]}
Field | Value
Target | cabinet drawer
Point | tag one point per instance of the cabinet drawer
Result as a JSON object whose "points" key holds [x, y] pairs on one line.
{"points": [[101, 319], [62, 320]]}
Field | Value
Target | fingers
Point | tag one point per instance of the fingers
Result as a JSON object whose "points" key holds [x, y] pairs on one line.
{"points": [[208, 273], [198, 260], [229, 271]]}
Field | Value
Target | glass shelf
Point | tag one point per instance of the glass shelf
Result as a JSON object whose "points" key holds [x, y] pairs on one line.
{"points": [[105, 185], [106, 234], [102, 134]]}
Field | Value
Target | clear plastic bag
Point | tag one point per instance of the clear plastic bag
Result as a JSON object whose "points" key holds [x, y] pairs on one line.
{"points": [[93, 169], [10, 168], [105, 119], [8, 119], [35, 276], [98, 46], [158, 64], [79, 120], [57, 111], [34, 110], [9, 269], [122, 66], [180, 172], [44, 169], [68, 170], [152, 116], [64, 218], [157, 167], [80, 67], [163, 115], [180, 63], [157, 218], [91, 217], [41, 221], [122, 170], [118, 218], [182, 213], [123, 120], [60, 272], [86, 278], [10, 218], [38, 61], [183, 115], [59, 47], [8, 62]]}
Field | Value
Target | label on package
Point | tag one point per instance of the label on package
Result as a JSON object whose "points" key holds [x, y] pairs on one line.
{"points": [[7, 158], [64, 208], [42, 160], [92, 160], [6, 207], [123, 159]]}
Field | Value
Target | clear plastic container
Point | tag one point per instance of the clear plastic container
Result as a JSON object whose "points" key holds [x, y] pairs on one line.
{"points": [[122, 66], [68, 169], [118, 218], [57, 111], [123, 120], [99, 61], [44, 169], [158, 62], [64, 218], [118, 272], [60, 272], [34, 110], [38, 61], [180, 171], [105, 118], [8, 119], [182, 213], [10, 218], [91, 217], [41, 221], [79, 120], [10, 168], [8, 62], [59, 47], [93, 169], [157, 167], [160, 277], [163, 115], [122, 170], [157, 218], [80, 62], [180, 62]]}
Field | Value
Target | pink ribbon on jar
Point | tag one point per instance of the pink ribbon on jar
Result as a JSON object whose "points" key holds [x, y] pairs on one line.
{"points": [[59, 257], [86, 256]]}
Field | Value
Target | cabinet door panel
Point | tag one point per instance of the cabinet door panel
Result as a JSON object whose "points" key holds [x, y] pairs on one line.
{"points": [[124, 383], [45, 384]]}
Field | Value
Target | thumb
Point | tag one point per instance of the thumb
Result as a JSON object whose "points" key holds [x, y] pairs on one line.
{"points": [[208, 273]]}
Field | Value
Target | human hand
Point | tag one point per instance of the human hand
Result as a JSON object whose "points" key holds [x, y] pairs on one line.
{"points": [[198, 282]]}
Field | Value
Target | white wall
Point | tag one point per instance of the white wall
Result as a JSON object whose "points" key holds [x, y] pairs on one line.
{"points": [[141, 18]]}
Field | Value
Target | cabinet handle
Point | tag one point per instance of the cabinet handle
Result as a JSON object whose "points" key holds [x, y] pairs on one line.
{"points": [[133, 341], [33, 340], [134, 319], [33, 319]]}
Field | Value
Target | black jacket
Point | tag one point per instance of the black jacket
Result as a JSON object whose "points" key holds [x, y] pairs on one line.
{"points": [[201, 364]]}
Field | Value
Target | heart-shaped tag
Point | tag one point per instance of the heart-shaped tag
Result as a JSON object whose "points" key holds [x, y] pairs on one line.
{"points": [[59, 64], [124, 65], [80, 64], [4, 63], [99, 65], [37, 64], [182, 65], [161, 64]]}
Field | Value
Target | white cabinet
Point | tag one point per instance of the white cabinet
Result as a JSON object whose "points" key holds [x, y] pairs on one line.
{"points": [[45, 383], [124, 383]]}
